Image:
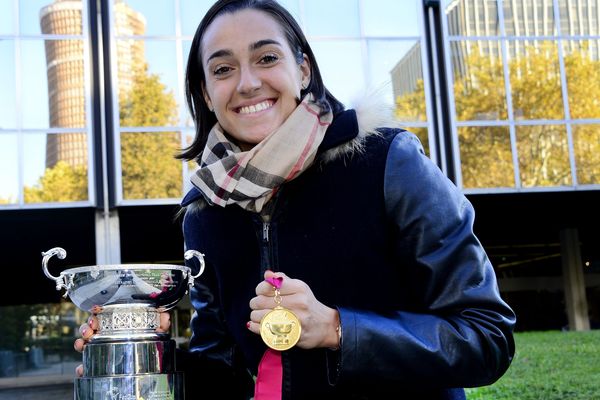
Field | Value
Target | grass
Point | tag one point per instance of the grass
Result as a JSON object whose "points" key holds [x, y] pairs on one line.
{"points": [[549, 365]]}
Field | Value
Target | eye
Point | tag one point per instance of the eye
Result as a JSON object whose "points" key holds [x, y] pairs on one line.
{"points": [[220, 70], [269, 58]]}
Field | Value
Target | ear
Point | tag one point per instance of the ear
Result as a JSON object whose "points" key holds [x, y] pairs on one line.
{"points": [[206, 98], [305, 72]]}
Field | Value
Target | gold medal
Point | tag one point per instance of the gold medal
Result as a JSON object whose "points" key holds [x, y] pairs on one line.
{"points": [[280, 328]]}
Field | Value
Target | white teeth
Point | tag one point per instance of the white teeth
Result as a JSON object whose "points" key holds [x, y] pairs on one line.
{"points": [[256, 107]]}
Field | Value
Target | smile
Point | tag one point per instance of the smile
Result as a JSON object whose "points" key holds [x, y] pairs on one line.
{"points": [[256, 107]]}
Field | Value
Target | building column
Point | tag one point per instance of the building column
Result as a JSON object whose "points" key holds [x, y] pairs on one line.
{"points": [[574, 281], [108, 238]]}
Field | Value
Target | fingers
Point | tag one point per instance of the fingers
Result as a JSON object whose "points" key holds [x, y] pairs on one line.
{"points": [[79, 345], [164, 322], [79, 370], [86, 331]]}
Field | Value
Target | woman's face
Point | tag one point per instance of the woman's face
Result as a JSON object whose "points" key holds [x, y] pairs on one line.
{"points": [[253, 81]]}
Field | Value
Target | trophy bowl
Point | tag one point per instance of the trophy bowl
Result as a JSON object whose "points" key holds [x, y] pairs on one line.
{"points": [[127, 356]]}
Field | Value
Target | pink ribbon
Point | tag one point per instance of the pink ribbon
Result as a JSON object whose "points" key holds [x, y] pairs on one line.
{"points": [[276, 281], [269, 379]]}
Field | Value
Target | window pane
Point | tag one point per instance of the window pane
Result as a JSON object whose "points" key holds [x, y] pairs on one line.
{"points": [[341, 62], [184, 112], [579, 17], [139, 17], [55, 167], [543, 155], [529, 18], [293, 7], [156, 177], [34, 88], [478, 80], [582, 67], [8, 100], [192, 12], [6, 17], [50, 17], [401, 60], [9, 169], [586, 141], [390, 18], [319, 18], [53, 84], [147, 86], [486, 157], [535, 80], [473, 18]]}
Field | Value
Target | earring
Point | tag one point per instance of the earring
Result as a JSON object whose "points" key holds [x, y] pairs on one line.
{"points": [[304, 85]]}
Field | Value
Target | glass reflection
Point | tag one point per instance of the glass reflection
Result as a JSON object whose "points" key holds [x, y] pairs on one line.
{"points": [[529, 18], [582, 67], [473, 18], [402, 61], [7, 26], [8, 100], [579, 17], [50, 17], [156, 177], [535, 80], [55, 167], [156, 16], [318, 18], [486, 157], [380, 18], [479, 92], [543, 155], [146, 95], [34, 94], [37, 339], [191, 12], [9, 165], [586, 142], [341, 62]]}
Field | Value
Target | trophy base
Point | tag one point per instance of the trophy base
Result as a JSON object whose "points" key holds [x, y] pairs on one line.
{"points": [[131, 387]]}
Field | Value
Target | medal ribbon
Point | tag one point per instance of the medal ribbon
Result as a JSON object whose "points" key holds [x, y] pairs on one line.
{"points": [[269, 379]]}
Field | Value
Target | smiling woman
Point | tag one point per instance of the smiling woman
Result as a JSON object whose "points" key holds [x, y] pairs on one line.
{"points": [[340, 262]]}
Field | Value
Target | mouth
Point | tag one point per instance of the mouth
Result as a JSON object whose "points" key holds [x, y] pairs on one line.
{"points": [[254, 108]]}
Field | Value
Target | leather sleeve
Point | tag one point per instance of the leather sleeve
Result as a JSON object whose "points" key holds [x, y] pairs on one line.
{"points": [[458, 332], [212, 363]]}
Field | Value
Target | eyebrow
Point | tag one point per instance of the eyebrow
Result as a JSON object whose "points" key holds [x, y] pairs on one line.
{"points": [[253, 47]]}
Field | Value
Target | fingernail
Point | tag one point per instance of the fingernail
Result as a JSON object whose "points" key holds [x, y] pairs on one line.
{"points": [[84, 331], [248, 324]]}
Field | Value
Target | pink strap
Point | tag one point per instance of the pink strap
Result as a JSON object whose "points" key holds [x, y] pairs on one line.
{"points": [[276, 281], [270, 377]]}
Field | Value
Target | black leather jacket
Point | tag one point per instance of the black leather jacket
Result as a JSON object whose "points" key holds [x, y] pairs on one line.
{"points": [[378, 233]]}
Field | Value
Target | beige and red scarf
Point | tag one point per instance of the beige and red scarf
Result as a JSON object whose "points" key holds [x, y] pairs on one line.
{"points": [[228, 175]]}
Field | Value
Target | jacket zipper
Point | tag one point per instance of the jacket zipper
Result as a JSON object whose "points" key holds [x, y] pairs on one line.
{"points": [[266, 246]]}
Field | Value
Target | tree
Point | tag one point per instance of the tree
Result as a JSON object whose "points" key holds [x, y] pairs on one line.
{"points": [[147, 159], [542, 150], [62, 182]]}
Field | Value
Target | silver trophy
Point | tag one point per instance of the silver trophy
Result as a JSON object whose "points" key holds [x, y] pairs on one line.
{"points": [[127, 359]]}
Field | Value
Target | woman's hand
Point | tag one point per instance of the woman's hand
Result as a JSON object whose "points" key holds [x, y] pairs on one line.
{"points": [[88, 329], [319, 322]]}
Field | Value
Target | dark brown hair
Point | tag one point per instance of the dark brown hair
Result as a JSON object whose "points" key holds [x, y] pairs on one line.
{"points": [[195, 78]]}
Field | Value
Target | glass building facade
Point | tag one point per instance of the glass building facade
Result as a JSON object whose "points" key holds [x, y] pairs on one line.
{"points": [[504, 95]]}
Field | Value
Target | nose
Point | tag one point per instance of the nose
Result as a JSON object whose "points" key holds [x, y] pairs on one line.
{"points": [[249, 80]]}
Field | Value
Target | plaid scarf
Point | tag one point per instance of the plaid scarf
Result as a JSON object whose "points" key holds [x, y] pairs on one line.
{"points": [[228, 175]]}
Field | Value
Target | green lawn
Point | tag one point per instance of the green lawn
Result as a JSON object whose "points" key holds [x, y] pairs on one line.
{"points": [[549, 365]]}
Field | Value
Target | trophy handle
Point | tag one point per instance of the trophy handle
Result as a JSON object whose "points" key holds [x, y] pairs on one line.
{"points": [[61, 254], [193, 253]]}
